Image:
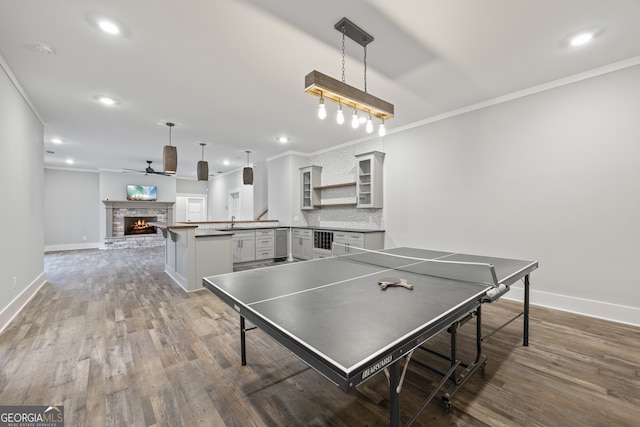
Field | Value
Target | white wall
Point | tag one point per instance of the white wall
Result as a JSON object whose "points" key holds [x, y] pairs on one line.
{"points": [[22, 213], [552, 177], [260, 190], [71, 201], [219, 189], [284, 188]]}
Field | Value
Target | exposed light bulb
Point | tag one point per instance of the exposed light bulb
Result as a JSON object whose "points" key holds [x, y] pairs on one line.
{"points": [[369, 127], [340, 115], [381, 130], [322, 111], [355, 122]]}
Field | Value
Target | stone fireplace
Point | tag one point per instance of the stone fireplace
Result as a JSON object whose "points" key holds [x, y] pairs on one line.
{"points": [[127, 223]]}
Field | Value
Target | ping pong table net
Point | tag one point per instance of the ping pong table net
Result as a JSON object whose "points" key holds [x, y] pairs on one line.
{"points": [[472, 272]]}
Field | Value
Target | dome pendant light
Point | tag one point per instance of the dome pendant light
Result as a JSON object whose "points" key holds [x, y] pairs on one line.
{"points": [[203, 167], [247, 173], [170, 155]]}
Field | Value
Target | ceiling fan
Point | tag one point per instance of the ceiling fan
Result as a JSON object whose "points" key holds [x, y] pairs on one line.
{"points": [[149, 170]]}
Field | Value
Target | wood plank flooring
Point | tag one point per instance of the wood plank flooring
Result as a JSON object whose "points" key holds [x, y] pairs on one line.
{"points": [[116, 342]]}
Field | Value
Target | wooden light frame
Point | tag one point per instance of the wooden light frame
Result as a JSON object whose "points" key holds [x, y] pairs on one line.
{"points": [[321, 85]]}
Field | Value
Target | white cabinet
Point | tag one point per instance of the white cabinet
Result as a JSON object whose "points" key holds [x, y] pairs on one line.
{"points": [[309, 179], [349, 239], [264, 244], [302, 243], [373, 240], [244, 246], [369, 179]]}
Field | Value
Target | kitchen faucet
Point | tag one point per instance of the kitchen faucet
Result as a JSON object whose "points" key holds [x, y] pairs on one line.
{"points": [[233, 219]]}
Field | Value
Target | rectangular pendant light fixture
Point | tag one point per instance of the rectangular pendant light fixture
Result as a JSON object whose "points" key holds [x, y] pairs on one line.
{"points": [[323, 86], [319, 84]]}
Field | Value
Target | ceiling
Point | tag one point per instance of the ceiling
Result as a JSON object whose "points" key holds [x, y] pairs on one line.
{"points": [[230, 73]]}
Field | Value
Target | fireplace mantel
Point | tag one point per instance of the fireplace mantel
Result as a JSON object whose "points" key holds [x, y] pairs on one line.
{"points": [[128, 204], [110, 205]]}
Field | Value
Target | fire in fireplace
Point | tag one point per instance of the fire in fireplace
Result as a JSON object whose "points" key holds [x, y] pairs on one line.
{"points": [[139, 225]]}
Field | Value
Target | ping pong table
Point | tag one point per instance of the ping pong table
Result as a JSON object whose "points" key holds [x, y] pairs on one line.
{"points": [[333, 315]]}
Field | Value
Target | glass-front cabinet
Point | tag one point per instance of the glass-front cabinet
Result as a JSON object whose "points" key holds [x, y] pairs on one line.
{"points": [[369, 179], [309, 180]]}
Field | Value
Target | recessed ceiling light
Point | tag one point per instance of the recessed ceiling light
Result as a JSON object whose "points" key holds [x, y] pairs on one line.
{"points": [[226, 162], [69, 161], [56, 140], [108, 27], [107, 100], [42, 48], [581, 39], [283, 139]]}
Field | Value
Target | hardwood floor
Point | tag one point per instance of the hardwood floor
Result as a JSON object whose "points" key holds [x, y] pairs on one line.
{"points": [[116, 342]]}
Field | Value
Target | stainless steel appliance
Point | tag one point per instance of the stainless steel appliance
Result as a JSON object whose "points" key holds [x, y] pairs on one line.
{"points": [[281, 244]]}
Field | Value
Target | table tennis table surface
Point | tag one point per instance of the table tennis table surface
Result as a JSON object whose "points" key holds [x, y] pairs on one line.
{"points": [[332, 314]]}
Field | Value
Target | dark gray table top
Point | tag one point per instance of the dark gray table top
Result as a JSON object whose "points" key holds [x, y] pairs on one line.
{"points": [[332, 310]]}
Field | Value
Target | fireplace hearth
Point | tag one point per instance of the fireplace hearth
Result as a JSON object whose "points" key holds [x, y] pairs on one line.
{"points": [[135, 225]]}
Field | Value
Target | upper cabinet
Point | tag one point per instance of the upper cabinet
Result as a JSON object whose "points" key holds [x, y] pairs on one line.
{"points": [[310, 178], [369, 179]]}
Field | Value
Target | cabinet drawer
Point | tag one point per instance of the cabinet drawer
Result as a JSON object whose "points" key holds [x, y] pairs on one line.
{"points": [[301, 233], [340, 237], [264, 233], [264, 253], [243, 234], [264, 242], [356, 239]]}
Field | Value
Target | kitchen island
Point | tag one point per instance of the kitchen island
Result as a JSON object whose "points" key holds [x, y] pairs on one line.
{"points": [[192, 253]]}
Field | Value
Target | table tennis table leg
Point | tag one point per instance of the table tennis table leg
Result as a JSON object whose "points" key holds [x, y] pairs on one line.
{"points": [[525, 332], [394, 396], [243, 348]]}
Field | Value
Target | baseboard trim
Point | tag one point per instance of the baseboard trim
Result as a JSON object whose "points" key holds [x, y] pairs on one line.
{"points": [[597, 309], [72, 247], [18, 303], [176, 277]]}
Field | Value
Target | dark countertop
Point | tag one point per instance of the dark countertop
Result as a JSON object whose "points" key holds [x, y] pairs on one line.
{"points": [[204, 232], [229, 230], [348, 230]]}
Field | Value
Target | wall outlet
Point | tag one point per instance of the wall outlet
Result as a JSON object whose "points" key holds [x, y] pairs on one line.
{"points": [[15, 282]]}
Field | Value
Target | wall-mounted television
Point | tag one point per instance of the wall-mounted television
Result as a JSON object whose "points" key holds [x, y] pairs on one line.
{"points": [[147, 193]]}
